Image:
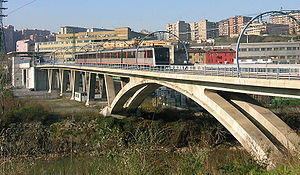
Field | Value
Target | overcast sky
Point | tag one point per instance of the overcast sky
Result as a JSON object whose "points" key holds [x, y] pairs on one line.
{"points": [[137, 14]]}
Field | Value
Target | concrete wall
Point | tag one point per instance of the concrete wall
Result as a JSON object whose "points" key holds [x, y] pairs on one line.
{"points": [[16, 73]]}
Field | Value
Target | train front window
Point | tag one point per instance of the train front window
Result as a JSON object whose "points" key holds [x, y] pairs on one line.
{"points": [[162, 55]]}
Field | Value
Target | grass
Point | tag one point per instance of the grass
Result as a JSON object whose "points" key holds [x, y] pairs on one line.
{"points": [[161, 142]]}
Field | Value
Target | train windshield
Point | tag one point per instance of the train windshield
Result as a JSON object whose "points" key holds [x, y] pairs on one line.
{"points": [[162, 55]]}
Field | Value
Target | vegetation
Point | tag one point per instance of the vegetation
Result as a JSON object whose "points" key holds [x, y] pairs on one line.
{"points": [[5, 93], [34, 140]]}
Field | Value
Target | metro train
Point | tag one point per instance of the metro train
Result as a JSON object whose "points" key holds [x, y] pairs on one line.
{"points": [[150, 56]]}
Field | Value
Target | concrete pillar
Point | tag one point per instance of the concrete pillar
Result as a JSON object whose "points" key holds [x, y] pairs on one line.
{"points": [[84, 81], [24, 78], [267, 121], [50, 78], [75, 83], [62, 81], [102, 89], [71, 78], [57, 84], [91, 81], [110, 89]]}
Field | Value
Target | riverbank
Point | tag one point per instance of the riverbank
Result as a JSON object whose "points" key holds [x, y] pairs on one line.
{"points": [[38, 137]]}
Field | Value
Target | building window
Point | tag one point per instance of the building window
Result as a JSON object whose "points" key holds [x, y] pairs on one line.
{"points": [[269, 49], [263, 49], [276, 48]]}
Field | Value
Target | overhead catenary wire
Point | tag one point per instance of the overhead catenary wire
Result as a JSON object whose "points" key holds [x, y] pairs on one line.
{"points": [[13, 11]]}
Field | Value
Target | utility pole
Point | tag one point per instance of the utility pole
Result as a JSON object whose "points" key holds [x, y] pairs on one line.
{"points": [[2, 38], [4, 66]]}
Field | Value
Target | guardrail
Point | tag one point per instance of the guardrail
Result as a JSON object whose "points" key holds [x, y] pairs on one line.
{"points": [[289, 72]]}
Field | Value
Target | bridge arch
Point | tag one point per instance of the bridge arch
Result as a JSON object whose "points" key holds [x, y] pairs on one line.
{"points": [[247, 25], [250, 137]]}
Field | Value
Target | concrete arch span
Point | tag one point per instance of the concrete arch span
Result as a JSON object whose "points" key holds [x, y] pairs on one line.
{"points": [[253, 139]]}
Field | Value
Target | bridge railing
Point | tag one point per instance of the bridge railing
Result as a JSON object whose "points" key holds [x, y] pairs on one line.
{"points": [[290, 72]]}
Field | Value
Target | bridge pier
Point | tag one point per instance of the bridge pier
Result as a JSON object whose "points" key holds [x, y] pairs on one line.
{"points": [[56, 79], [62, 80], [84, 81], [268, 122], [50, 79], [110, 89], [91, 80], [252, 139], [102, 86], [75, 80]]}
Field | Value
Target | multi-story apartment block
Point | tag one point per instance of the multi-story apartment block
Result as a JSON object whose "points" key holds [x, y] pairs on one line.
{"points": [[294, 28], [203, 30], [232, 27], [180, 29], [236, 25], [10, 42], [261, 28], [224, 28]]}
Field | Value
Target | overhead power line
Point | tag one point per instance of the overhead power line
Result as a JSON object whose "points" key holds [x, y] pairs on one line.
{"points": [[13, 11]]}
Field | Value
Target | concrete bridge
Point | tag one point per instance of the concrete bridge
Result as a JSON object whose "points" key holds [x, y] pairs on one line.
{"points": [[217, 89]]}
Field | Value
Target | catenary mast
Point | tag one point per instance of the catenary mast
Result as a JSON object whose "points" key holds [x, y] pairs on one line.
{"points": [[2, 39]]}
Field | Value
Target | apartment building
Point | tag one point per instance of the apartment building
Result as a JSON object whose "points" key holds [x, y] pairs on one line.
{"points": [[9, 35], [236, 25], [232, 27], [197, 55], [294, 28], [181, 29], [203, 30], [223, 28]]}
